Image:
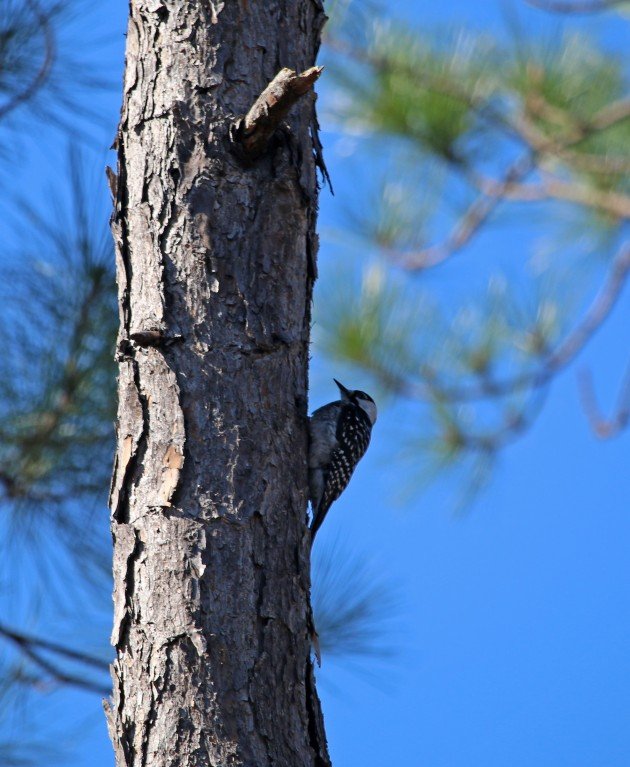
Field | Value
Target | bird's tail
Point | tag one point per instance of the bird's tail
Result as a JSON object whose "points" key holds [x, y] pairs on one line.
{"points": [[318, 519]]}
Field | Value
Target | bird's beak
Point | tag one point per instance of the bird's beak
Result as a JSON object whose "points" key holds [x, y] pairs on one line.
{"points": [[342, 389]]}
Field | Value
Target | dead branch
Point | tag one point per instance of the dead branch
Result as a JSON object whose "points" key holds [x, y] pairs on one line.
{"points": [[253, 132]]}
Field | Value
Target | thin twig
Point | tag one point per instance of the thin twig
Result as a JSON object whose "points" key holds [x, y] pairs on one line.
{"points": [[469, 224], [50, 419], [555, 361], [480, 210], [614, 203], [509, 187], [610, 115], [581, 6], [513, 424], [598, 164], [605, 428], [572, 344], [552, 187], [595, 315], [54, 647], [27, 648], [46, 66], [574, 134]]}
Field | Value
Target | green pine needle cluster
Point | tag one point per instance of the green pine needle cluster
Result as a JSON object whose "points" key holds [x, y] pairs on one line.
{"points": [[468, 134]]}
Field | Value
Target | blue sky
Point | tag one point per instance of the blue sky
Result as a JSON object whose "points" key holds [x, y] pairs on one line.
{"points": [[513, 630]]}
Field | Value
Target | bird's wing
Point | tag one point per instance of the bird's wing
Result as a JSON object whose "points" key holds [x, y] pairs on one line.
{"points": [[353, 440]]}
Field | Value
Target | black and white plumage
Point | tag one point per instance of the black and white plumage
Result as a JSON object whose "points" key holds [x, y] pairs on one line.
{"points": [[339, 436]]}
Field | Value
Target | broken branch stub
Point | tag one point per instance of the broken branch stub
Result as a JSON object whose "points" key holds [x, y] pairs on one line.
{"points": [[253, 132]]}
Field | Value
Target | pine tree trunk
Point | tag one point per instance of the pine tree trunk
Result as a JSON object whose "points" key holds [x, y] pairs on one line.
{"points": [[215, 261]]}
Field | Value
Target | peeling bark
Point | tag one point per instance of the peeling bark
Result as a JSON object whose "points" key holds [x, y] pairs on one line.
{"points": [[215, 262]]}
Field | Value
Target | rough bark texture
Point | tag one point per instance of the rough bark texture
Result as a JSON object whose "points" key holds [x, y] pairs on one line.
{"points": [[215, 267]]}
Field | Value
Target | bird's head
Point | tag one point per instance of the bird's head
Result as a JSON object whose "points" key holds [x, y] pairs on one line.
{"points": [[360, 398]]}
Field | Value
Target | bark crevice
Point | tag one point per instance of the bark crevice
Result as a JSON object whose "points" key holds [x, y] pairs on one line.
{"points": [[315, 720]]}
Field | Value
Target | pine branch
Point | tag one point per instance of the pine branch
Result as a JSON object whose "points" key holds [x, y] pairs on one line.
{"points": [[29, 647], [540, 148], [615, 204], [570, 347], [512, 425], [481, 209], [41, 76], [565, 352], [469, 224], [22, 638]]}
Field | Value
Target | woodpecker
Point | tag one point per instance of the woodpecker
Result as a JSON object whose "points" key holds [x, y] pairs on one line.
{"points": [[339, 436]]}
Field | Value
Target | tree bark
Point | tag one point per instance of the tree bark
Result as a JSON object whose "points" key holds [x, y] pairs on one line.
{"points": [[215, 263]]}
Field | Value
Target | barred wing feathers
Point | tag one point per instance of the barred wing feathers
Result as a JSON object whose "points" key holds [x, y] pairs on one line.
{"points": [[353, 438]]}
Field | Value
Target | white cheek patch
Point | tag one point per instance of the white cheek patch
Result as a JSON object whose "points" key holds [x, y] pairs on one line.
{"points": [[369, 408]]}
